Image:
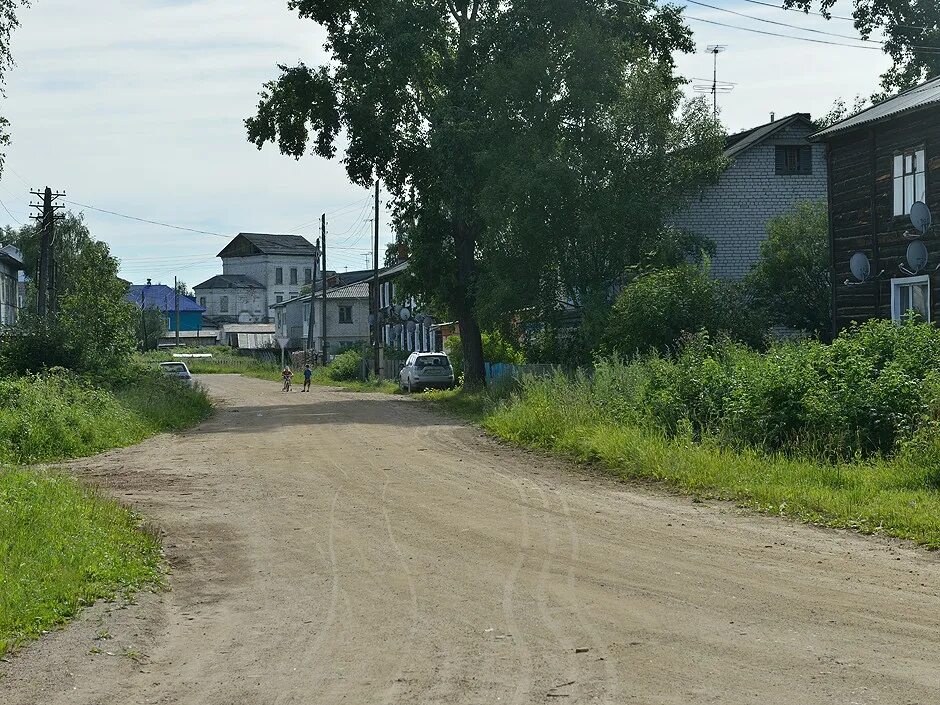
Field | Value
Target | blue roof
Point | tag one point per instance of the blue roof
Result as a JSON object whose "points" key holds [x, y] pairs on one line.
{"points": [[160, 296]]}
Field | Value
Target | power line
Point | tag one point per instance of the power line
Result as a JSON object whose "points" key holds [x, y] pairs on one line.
{"points": [[9, 213], [145, 220], [828, 17], [778, 34]]}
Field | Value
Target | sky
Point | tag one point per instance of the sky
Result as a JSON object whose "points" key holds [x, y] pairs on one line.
{"points": [[137, 107]]}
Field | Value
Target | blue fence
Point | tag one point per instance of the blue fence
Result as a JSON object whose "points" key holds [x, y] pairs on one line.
{"points": [[504, 370]]}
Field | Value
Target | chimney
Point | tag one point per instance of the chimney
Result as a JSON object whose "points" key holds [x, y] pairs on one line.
{"points": [[771, 117], [148, 282]]}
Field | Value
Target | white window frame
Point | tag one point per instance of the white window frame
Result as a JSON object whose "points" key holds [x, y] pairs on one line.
{"points": [[909, 179], [896, 284]]}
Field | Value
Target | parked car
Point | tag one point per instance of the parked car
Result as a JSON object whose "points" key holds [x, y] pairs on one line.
{"points": [[177, 370], [426, 370]]}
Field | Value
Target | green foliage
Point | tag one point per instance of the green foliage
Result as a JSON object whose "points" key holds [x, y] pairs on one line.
{"points": [[446, 103], [150, 328], [791, 281], [63, 546], [911, 31], [657, 309], [345, 367], [57, 415], [496, 348]]}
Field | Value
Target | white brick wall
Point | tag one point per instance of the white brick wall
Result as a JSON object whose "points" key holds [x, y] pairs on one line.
{"points": [[734, 212]]}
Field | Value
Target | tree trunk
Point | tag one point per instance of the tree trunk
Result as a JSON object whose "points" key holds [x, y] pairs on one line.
{"points": [[474, 373]]}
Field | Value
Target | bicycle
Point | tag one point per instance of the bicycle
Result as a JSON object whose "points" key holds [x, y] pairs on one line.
{"points": [[286, 387]]}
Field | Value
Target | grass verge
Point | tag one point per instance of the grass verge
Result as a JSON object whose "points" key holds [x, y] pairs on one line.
{"points": [[63, 546], [897, 497]]}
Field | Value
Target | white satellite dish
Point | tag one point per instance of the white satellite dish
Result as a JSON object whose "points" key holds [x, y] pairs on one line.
{"points": [[921, 218], [404, 314], [916, 256], [860, 266]]}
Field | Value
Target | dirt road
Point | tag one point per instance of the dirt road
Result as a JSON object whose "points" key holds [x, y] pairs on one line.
{"points": [[341, 548]]}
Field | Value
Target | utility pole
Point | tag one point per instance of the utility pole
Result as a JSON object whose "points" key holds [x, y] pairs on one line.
{"points": [[311, 316], [323, 303], [376, 323], [176, 291], [45, 280]]}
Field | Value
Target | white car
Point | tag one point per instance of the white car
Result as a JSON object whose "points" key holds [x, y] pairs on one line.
{"points": [[426, 370], [177, 370]]}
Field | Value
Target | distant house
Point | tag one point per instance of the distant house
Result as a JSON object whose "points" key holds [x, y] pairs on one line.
{"points": [[347, 318], [773, 168], [258, 271], [404, 326], [11, 263], [163, 298], [882, 161], [248, 336]]}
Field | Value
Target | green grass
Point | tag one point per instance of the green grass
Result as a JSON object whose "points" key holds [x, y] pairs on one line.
{"points": [[63, 546], [897, 496], [51, 417]]}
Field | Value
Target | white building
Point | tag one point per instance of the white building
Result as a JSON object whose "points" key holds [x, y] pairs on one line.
{"points": [[258, 271], [11, 262], [347, 318]]}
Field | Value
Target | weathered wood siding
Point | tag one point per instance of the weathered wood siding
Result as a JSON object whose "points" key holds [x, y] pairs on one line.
{"points": [[861, 204]]}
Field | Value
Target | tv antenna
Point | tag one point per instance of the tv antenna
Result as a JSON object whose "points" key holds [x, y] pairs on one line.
{"points": [[716, 86]]}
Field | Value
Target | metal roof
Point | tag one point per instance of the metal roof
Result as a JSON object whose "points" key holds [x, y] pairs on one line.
{"points": [[357, 290], [260, 328], [160, 296], [230, 281], [742, 141], [921, 96], [12, 256], [273, 244]]}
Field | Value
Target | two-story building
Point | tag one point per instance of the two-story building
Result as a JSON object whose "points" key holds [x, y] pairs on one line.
{"points": [[347, 318], [11, 262], [773, 168], [884, 174], [259, 270]]}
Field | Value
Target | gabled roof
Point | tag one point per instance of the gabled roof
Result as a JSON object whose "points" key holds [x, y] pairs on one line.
{"points": [[160, 296], [12, 257], [230, 281], [357, 290], [248, 244], [742, 141], [922, 96]]}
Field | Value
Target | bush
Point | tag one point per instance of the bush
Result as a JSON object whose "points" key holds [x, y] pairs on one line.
{"points": [[496, 348], [346, 367], [656, 310]]}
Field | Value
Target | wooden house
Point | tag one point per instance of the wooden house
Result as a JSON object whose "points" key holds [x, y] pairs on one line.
{"points": [[881, 162]]}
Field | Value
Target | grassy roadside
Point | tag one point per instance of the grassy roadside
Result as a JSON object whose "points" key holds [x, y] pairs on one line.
{"points": [[62, 546], [897, 497]]}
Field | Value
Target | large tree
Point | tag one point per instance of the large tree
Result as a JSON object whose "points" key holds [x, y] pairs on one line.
{"points": [[912, 35], [445, 100]]}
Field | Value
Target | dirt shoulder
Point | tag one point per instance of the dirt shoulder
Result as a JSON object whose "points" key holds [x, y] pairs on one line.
{"points": [[339, 547]]}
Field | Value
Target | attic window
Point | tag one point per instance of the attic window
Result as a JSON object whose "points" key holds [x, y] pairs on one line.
{"points": [[794, 159]]}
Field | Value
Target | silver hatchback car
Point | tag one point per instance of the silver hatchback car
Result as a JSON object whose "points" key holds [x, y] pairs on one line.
{"points": [[426, 371], [178, 371]]}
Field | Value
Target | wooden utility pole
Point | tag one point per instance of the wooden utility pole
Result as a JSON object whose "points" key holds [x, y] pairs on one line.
{"points": [[176, 291], [311, 317], [323, 303], [376, 323], [45, 279]]}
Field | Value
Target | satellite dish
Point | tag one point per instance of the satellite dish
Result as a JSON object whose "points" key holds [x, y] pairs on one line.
{"points": [[410, 325], [917, 256], [371, 319], [920, 217], [404, 314], [860, 266], [397, 328]]}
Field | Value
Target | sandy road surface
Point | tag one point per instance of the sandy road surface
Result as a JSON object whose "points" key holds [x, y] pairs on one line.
{"points": [[342, 548]]}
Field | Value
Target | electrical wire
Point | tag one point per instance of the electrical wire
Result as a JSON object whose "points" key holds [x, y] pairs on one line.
{"points": [[145, 220], [829, 17], [778, 34], [9, 213]]}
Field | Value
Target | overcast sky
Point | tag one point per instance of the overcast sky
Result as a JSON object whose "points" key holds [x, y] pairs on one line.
{"points": [[137, 106]]}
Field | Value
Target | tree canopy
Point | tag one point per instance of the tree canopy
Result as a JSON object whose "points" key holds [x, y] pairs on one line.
{"points": [[8, 23], [912, 35], [534, 137]]}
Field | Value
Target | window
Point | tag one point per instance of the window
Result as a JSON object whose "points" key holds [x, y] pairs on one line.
{"points": [[345, 314], [794, 159], [308, 275], [910, 294], [293, 275], [202, 301], [278, 299], [910, 179], [278, 275], [223, 304]]}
